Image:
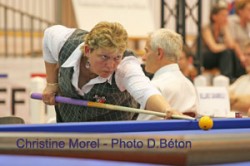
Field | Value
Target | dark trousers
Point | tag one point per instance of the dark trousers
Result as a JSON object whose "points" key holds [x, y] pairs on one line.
{"points": [[222, 60], [226, 61], [239, 69]]}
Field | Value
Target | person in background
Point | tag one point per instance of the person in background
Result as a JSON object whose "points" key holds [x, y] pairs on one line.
{"points": [[239, 25], [94, 66], [240, 90], [162, 51], [186, 63], [218, 44]]}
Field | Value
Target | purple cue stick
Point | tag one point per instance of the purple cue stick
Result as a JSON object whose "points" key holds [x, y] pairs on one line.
{"points": [[60, 99], [67, 100]]}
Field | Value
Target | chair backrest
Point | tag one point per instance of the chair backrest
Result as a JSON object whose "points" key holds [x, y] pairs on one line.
{"points": [[11, 120], [200, 81], [221, 81]]}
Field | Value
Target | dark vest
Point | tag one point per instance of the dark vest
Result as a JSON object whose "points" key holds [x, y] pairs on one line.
{"points": [[102, 91]]}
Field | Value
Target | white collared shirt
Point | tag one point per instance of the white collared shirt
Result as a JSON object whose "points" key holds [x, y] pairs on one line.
{"points": [[175, 88], [129, 75]]}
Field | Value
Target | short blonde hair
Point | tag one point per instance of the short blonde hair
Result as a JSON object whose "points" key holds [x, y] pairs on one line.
{"points": [[107, 35], [170, 41]]}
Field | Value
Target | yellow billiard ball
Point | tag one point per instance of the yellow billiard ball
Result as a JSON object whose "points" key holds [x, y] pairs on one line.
{"points": [[206, 123]]}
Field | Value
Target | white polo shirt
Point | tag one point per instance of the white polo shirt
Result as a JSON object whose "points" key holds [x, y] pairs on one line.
{"points": [[176, 89]]}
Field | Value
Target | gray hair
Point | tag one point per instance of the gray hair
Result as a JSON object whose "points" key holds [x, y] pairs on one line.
{"points": [[170, 41]]}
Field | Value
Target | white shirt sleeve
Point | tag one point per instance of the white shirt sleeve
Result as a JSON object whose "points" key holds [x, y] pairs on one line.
{"points": [[129, 76], [53, 41], [241, 85]]}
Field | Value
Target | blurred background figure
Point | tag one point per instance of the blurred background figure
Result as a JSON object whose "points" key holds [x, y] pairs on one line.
{"points": [[239, 25], [218, 44], [185, 62], [240, 89]]}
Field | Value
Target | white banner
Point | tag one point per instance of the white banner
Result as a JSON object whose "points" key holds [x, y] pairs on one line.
{"points": [[135, 15]]}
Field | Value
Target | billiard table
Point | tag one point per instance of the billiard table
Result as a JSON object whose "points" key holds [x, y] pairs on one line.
{"points": [[27, 160], [178, 142]]}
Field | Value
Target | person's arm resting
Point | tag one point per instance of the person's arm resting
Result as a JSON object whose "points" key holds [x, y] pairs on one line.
{"points": [[130, 77], [241, 103]]}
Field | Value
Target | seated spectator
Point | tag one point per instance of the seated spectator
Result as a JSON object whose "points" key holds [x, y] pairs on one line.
{"points": [[163, 49], [240, 89], [186, 63], [218, 44], [239, 25]]}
